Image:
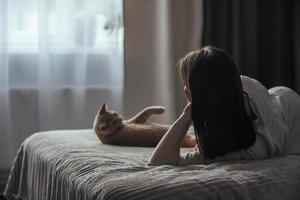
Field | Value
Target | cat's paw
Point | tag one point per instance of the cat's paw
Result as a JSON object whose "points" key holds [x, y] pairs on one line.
{"points": [[189, 141], [157, 109]]}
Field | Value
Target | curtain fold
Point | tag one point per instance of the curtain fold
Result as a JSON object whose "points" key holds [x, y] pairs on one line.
{"points": [[59, 61], [157, 34], [262, 36]]}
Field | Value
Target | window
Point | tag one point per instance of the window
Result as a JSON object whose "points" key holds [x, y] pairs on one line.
{"points": [[64, 25]]}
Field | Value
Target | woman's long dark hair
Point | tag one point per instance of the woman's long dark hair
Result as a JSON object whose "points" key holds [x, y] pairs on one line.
{"points": [[218, 111]]}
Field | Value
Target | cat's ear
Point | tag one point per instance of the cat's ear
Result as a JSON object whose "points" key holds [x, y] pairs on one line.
{"points": [[103, 109]]}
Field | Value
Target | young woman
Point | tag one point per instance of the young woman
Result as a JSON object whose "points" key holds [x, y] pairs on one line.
{"points": [[235, 117]]}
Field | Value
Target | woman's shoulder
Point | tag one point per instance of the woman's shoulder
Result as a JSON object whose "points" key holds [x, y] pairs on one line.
{"points": [[255, 89], [247, 79], [251, 83]]}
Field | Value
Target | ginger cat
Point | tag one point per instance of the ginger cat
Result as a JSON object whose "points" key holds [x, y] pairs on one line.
{"points": [[112, 129]]}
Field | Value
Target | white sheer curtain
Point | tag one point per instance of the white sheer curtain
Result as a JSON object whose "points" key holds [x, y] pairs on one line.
{"points": [[59, 60]]}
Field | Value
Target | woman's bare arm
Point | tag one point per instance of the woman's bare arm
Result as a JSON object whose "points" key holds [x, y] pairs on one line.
{"points": [[169, 146]]}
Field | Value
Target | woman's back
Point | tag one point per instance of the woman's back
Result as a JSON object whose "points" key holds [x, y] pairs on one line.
{"points": [[288, 102], [269, 123]]}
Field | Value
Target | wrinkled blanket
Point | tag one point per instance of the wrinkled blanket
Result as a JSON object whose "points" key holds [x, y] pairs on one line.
{"points": [[73, 164]]}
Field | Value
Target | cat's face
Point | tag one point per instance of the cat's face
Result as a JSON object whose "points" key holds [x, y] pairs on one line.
{"points": [[107, 122]]}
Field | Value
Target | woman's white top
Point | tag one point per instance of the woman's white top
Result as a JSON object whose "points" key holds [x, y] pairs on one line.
{"points": [[277, 126]]}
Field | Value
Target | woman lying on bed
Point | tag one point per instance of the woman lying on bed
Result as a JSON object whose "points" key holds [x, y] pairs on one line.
{"points": [[234, 117]]}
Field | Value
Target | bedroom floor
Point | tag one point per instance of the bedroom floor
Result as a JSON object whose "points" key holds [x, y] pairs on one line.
{"points": [[3, 178]]}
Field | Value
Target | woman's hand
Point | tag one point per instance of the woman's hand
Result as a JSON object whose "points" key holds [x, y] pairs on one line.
{"points": [[187, 94]]}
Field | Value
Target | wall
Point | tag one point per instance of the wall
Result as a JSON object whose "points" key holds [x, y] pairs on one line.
{"points": [[157, 34]]}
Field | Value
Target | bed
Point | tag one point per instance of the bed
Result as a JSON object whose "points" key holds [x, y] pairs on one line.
{"points": [[73, 164]]}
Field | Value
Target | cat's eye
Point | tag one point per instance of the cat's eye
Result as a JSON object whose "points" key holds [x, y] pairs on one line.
{"points": [[115, 114]]}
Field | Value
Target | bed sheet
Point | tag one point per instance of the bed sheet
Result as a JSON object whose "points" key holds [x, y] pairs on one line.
{"points": [[73, 164]]}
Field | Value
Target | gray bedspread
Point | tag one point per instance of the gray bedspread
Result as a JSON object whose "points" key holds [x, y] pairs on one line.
{"points": [[75, 165]]}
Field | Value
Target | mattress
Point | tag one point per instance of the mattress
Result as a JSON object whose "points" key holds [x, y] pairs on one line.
{"points": [[73, 164]]}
